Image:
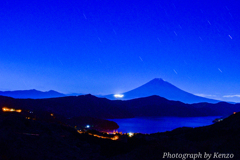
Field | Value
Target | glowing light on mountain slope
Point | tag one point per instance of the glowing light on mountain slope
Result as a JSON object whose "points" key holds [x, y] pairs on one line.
{"points": [[118, 95]]}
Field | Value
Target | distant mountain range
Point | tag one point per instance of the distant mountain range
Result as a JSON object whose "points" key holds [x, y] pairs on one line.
{"points": [[161, 88], [156, 86], [34, 94]]}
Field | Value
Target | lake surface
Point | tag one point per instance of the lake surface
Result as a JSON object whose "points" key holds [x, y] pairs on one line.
{"points": [[160, 124]]}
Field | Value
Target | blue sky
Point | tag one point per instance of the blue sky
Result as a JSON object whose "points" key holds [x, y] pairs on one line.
{"points": [[103, 47]]}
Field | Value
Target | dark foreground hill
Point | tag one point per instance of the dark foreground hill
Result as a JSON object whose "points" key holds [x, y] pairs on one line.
{"points": [[221, 140], [27, 139]]}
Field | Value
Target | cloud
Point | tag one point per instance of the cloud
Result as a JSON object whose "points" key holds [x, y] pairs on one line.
{"points": [[205, 95], [231, 96]]}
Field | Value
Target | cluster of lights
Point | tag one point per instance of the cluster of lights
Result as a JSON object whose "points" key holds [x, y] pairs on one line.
{"points": [[5, 109], [112, 138], [95, 135]]}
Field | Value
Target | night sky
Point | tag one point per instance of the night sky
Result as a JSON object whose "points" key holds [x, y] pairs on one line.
{"points": [[104, 47]]}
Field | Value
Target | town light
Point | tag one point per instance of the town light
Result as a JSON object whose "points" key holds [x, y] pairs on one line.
{"points": [[19, 110], [5, 109], [130, 134]]}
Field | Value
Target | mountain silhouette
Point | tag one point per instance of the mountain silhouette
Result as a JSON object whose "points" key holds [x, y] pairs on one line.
{"points": [[103, 108], [34, 94], [164, 89], [71, 106]]}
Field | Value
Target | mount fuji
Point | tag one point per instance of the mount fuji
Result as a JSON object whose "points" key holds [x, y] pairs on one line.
{"points": [[161, 88]]}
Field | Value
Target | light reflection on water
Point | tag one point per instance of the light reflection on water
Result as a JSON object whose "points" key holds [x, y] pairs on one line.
{"points": [[160, 124]]}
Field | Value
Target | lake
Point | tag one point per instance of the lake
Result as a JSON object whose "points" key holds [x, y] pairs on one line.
{"points": [[160, 124]]}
